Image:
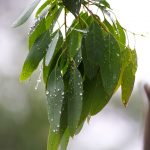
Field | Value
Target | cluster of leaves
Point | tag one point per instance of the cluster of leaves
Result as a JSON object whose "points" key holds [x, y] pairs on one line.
{"points": [[83, 64]]}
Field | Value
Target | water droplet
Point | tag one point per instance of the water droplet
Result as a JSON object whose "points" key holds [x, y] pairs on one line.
{"points": [[81, 94], [58, 126], [62, 93], [52, 119], [47, 92], [59, 112], [54, 130]]}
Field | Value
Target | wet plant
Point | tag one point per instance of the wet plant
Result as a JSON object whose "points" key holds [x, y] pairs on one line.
{"points": [[84, 63]]}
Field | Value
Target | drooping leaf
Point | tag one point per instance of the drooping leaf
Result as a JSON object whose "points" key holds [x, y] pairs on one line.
{"points": [[73, 6], [51, 48], [96, 93], [110, 64], [128, 77], [52, 17], [26, 14], [90, 68], [35, 55], [47, 3], [75, 100], [40, 28], [58, 50], [74, 42], [55, 97], [120, 33], [94, 43], [94, 97]]}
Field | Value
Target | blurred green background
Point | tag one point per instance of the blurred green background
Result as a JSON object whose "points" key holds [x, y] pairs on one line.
{"points": [[23, 110]]}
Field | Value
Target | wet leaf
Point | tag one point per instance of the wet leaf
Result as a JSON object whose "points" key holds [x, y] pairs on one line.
{"points": [[75, 100], [73, 6], [110, 64], [55, 97], [35, 55], [26, 14]]}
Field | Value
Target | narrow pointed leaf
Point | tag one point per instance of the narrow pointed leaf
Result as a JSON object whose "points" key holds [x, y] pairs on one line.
{"points": [[26, 14], [94, 43], [90, 68], [110, 64], [39, 30], [128, 77], [51, 49], [75, 100], [35, 55], [74, 42], [58, 50], [47, 3], [55, 96]]}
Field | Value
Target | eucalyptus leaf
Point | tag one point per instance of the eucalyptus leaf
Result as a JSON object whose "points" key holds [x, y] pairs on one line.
{"points": [[75, 100], [35, 55], [51, 49], [55, 97], [26, 14], [73, 6]]}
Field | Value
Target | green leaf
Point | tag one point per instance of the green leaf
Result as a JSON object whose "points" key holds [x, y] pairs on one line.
{"points": [[96, 93], [94, 97], [73, 6], [127, 83], [65, 140], [110, 64], [75, 100], [128, 77], [90, 68], [35, 55], [53, 140], [51, 48], [55, 97], [42, 8], [94, 43], [40, 29], [74, 42], [58, 50], [105, 3], [120, 33], [52, 17], [26, 14]]}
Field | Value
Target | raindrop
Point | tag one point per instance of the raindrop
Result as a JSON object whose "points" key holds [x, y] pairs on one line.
{"points": [[62, 93], [47, 92], [81, 94], [58, 126], [59, 112], [54, 130]]}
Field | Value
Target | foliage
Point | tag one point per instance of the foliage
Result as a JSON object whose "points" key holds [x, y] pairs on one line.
{"points": [[83, 63]]}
